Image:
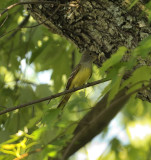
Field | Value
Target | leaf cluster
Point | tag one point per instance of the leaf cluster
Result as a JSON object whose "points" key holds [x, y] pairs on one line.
{"points": [[40, 131]]}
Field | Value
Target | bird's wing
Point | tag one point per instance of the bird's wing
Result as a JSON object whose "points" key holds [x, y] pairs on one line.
{"points": [[75, 71]]}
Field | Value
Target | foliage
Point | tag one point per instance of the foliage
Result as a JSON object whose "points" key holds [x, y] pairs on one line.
{"points": [[39, 130]]}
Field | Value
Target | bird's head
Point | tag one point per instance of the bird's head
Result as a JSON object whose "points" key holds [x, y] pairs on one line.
{"points": [[89, 56]]}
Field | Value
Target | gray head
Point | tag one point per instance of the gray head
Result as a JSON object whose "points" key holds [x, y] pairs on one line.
{"points": [[89, 57]]}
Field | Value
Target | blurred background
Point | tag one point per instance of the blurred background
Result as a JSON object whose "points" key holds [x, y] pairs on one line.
{"points": [[34, 63]]}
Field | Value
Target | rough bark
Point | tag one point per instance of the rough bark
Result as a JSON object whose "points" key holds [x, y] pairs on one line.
{"points": [[99, 26], [95, 25]]}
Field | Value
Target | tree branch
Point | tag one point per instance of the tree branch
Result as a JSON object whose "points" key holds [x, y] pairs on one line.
{"points": [[4, 21], [35, 2], [21, 25], [23, 3], [53, 96], [96, 120], [3, 106], [15, 30], [93, 123], [25, 21]]}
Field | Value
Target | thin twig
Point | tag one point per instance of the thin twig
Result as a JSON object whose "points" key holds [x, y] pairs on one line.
{"points": [[21, 27], [28, 82], [16, 29], [73, 59], [23, 3], [53, 96], [3, 106], [115, 102], [13, 30], [4, 21]]}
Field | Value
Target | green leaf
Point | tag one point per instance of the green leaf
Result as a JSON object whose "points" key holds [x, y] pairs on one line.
{"points": [[142, 75], [50, 117], [26, 94], [144, 47], [115, 84], [43, 90], [115, 58]]}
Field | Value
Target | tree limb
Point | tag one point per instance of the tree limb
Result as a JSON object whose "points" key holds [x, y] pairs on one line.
{"points": [[53, 96], [96, 120], [92, 124]]}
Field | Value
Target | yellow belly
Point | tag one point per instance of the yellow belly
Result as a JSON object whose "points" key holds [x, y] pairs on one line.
{"points": [[81, 77]]}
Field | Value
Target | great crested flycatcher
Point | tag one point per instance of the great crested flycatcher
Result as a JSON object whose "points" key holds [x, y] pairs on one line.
{"points": [[81, 73]]}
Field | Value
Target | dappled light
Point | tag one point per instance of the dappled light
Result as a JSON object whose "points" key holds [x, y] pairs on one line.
{"points": [[140, 133], [108, 116]]}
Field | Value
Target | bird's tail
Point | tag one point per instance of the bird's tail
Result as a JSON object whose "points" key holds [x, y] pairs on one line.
{"points": [[64, 101]]}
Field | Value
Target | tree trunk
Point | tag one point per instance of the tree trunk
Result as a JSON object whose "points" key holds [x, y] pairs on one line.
{"points": [[99, 26], [95, 25]]}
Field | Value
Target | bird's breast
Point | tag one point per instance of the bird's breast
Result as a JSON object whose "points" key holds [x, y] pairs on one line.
{"points": [[81, 77]]}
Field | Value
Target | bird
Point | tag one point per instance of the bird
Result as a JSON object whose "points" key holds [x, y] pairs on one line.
{"points": [[79, 76]]}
